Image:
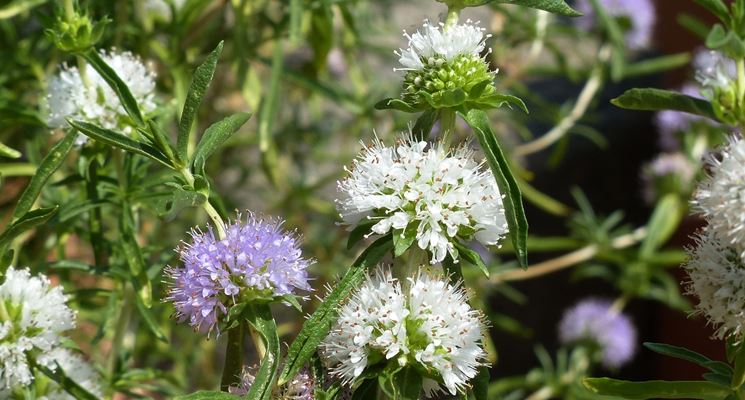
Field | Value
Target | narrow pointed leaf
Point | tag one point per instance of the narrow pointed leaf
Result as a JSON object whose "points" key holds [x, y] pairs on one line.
{"points": [[201, 80], [261, 319], [657, 100], [513, 203], [215, 136], [553, 6], [319, 323], [657, 389], [27, 221], [116, 139], [47, 167], [117, 85]]}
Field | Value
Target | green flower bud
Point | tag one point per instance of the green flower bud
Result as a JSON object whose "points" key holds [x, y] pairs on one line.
{"points": [[76, 34]]}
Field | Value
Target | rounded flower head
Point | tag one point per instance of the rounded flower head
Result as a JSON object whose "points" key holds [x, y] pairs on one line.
{"points": [[257, 261], [441, 58], [713, 69], [33, 314], [637, 17], [668, 173], [717, 278], [595, 320], [721, 196], [428, 323], [424, 191], [91, 99]]}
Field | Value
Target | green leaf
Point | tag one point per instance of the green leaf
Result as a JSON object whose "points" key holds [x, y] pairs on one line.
{"points": [[656, 389], [317, 326], [402, 240], [116, 139], [207, 395], [260, 318], [65, 382], [513, 203], [716, 7], [738, 375], [9, 152], [727, 42], [408, 383], [480, 385], [662, 224], [395, 104], [499, 100], [472, 257], [47, 167], [270, 102], [25, 222], [215, 136], [359, 232], [657, 64], [552, 6], [201, 80], [650, 99], [452, 98], [423, 126], [149, 319], [678, 352], [117, 85]]}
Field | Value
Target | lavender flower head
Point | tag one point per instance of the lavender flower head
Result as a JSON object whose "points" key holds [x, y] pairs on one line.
{"points": [[640, 14], [595, 320], [257, 261]]}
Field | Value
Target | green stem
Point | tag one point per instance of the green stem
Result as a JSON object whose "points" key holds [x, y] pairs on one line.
{"points": [[740, 84], [453, 14], [69, 10], [620, 304], [95, 216], [447, 126], [211, 211], [121, 327], [233, 358]]}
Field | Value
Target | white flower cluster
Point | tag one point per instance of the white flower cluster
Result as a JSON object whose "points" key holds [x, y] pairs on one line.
{"points": [[428, 323], [162, 8], [436, 44], [714, 70], [418, 189], [33, 315], [77, 369], [69, 95], [721, 196], [717, 278]]}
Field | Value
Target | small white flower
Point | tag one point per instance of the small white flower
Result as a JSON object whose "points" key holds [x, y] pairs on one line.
{"points": [[415, 188], [714, 69], [721, 196], [429, 322], [162, 8], [68, 95], [75, 368], [436, 44], [33, 314], [717, 278]]}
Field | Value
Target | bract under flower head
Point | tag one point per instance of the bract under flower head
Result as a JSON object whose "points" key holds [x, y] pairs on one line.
{"points": [[69, 95], [427, 323], [721, 197], [638, 15], [424, 192], [441, 58], [717, 278], [257, 261], [33, 315], [596, 321]]}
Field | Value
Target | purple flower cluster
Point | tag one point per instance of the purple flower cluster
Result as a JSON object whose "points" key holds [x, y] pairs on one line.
{"points": [[257, 260], [595, 320], [640, 13]]}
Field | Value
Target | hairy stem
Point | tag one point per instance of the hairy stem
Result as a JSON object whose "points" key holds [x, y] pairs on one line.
{"points": [[121, 326], [591, 88], [211, 211], [447, 126], [233, 358], [569, 259]]}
